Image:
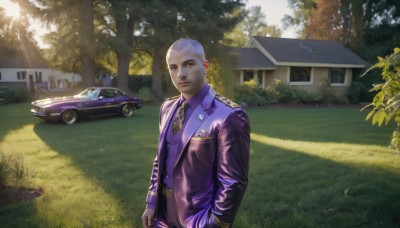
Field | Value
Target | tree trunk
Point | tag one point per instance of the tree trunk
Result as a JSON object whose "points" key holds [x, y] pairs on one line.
{"points": [[123, 70], [359, 22], [156, 81], [124, 26], [86, 39], [346, 27]]}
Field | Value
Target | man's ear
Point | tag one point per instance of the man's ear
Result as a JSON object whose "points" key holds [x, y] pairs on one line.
{"points": [[206, 65]]}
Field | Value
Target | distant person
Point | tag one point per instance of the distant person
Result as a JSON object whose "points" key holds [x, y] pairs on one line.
{"points": [[200, 172], [106, 80]]}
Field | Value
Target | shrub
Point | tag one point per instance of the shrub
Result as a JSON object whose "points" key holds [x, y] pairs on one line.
{"points": [[136, 82], [282, 93], [9, 95], [12, 170], [355, 91], [310, 98], [251, 94], [146, 94]]}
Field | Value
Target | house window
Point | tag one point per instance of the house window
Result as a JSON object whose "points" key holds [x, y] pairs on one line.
{"points": [[337, 76], [260, 77], [21, 75], [248, 76], [300, 75]]}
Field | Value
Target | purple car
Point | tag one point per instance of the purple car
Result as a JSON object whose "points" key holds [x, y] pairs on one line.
{"points": [[93, 101]]}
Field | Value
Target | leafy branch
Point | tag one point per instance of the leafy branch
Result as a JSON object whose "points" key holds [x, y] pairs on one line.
{"points": [[386, 103]]}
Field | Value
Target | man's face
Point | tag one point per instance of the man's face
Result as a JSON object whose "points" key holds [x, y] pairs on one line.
{"points": [[187, 70]]}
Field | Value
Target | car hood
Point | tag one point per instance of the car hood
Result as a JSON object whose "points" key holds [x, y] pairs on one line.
{"points": [[57, 100]]}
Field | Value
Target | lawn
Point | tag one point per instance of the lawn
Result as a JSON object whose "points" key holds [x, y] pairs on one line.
{"points": [[309, 167]]}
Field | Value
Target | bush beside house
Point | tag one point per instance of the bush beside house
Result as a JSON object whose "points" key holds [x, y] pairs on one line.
{"points": [[251, 94]]}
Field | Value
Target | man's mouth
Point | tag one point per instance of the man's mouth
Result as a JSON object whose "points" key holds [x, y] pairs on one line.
{"points": [[183, 84]]}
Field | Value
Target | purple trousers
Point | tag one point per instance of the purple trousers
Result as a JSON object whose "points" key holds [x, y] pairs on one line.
{"points": [[166, 213]]}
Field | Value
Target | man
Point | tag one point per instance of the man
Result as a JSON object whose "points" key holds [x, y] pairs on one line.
{"points": [[200, 172]]}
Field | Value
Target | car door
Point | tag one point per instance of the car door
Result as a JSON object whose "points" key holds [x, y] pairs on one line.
{"points": [[107, 103]]}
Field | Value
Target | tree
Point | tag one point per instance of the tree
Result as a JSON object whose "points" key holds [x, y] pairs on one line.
{"points": [[302, 12], [159, 30], [325, 21], [124, 16], [386, 103], [86, 44], [341, 20], [74, 39], [253, 24], [204, 20], [9, 29]]}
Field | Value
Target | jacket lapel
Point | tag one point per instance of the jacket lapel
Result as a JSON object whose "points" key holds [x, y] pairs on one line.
{"points": [[166, 117], [198, 117]]}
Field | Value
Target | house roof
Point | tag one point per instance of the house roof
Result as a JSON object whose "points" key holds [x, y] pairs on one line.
{"points": [[285, 51], [30, 58], [251, 58], [8, 62]]}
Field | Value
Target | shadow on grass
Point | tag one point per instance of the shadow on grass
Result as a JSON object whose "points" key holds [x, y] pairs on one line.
{"points": [[115, 152], [290, 187], [14, 116], [341, 125], [15, 215]]}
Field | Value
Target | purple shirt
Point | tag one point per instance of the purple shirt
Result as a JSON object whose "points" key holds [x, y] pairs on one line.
{"points": [[173, 141]]}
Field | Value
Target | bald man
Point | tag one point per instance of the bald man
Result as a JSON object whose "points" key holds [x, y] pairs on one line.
{"points": [[200, 172]]}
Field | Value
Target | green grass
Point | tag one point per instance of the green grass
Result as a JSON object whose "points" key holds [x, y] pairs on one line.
{"points": [[319, 167]]}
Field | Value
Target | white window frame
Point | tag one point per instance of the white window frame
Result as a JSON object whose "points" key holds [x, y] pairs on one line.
{"points": [[301, 83], [244, 72], [262, 83], [346, 76]]}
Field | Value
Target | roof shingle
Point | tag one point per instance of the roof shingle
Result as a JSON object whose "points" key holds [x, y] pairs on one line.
{"points": [[251, 58], [308, 51]]}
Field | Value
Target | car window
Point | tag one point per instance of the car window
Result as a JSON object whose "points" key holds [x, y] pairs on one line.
{"points": [[89, 93], [118, 93], [108, 93]]}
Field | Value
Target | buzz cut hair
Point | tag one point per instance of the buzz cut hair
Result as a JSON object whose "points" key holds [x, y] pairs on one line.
{"points": [[184, 42]]}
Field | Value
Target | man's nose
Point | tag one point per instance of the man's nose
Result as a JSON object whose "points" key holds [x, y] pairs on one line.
{"points": [[182, 72]]}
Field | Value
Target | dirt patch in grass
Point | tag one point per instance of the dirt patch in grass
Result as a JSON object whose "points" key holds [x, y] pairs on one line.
{"points": [[10, 195]]}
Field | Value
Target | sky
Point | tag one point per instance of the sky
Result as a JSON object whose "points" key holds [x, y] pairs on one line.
{"points": [[274, 10]]}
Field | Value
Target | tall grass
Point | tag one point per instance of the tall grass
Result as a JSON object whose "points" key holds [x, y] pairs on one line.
{"points": [[12, 170], [322, 167]]}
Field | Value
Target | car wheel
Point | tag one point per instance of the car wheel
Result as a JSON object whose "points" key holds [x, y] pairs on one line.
{"points": [[69, 117], [127, 110]]}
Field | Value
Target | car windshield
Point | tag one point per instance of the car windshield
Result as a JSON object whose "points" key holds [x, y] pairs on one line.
{"points": [[89, 93]]}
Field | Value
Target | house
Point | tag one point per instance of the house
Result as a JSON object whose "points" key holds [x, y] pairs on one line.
{"points": [[29, 72], [304, 64]]}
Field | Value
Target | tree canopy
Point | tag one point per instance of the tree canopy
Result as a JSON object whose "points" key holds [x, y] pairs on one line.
{"points": [[92, 35]]}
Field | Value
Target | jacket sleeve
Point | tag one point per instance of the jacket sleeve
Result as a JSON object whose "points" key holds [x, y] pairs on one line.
{"points": [[151, 199], [232, 167], [152, 194]]}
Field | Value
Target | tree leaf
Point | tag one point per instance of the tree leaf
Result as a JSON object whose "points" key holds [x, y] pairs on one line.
{"points": [[378, 99], [370, 114], [379, 117]]}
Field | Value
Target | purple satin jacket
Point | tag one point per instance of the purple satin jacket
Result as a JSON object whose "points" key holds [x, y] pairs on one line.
{"points": [[211, 172]]}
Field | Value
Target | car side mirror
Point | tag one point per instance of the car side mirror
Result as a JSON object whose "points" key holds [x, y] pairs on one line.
{"points": [[100, 98]]}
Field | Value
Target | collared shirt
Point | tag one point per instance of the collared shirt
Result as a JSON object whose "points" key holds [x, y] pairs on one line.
{"points": [[174, 141]]}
